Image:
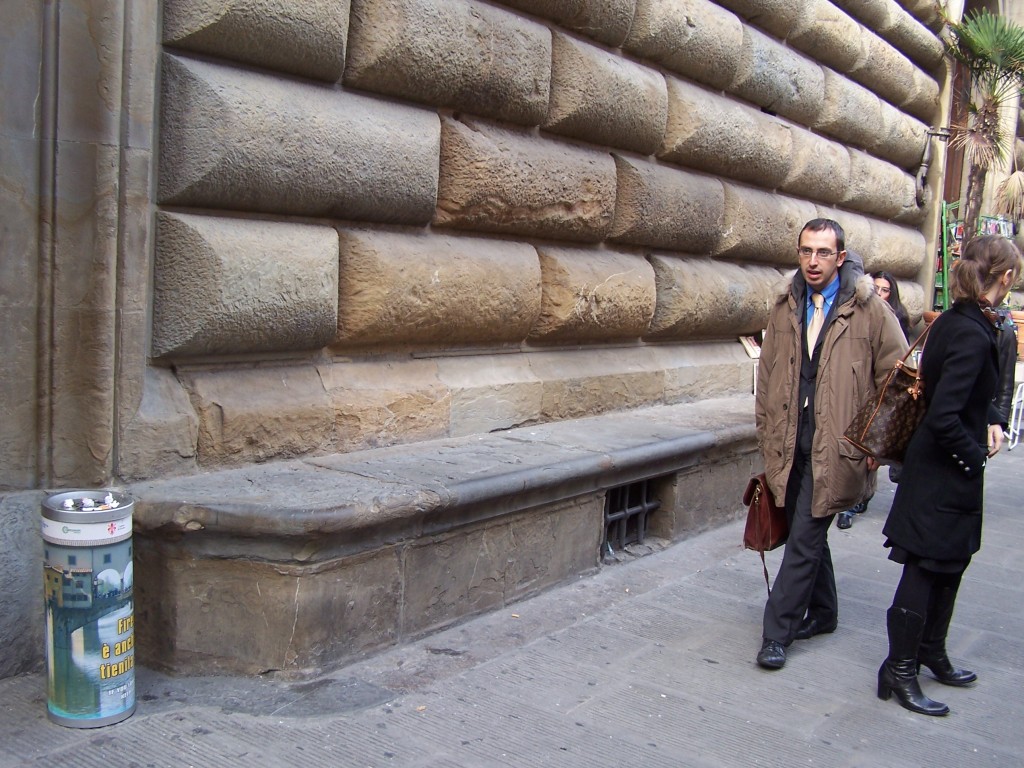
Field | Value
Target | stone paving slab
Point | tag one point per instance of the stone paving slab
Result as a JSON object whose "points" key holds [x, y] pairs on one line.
{"points": [[650, 662]]}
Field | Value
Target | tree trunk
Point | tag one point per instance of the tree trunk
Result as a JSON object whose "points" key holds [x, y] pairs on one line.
{"points": [[975, 190]]}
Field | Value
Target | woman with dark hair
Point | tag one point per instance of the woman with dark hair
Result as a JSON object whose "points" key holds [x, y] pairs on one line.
{"points": [[888, 289], [934, 526]]}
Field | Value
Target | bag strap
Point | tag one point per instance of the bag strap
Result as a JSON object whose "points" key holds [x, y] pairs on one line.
{"points": [[917, 342], [764, 566]]}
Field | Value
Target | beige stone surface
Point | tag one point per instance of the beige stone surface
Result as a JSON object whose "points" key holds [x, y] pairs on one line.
{"points": [[249, 415], [778, 78], [917, 39], [19, 314], [695, 38], [602, 381], [914, 36], [198, 613], [398, 289], [451, 53], [825, 33], [305, 38], [665, 207], [376, 404], [857, 228], [901, 139], [762, 226], [710, 132], [820, 168], [886, 71], [850, 112], [246, 141], [896, 249], [913, 298], [878, 188], [607, 21], [593, 295], [924, 11], [238, 285], [701, 298], [490, 392], [779, 17], [695, 371], [493, 179], [161, 437], [605, 99], [923, 101]]}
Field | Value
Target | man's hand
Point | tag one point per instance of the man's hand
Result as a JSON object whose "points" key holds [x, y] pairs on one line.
{"points": [[873, 464], [995, 439]]}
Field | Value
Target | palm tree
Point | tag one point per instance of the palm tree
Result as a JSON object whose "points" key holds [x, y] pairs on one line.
{"points": [[992, 52]]}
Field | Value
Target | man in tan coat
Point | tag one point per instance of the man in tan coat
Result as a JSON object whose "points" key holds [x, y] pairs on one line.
{"points": [[829, 345]]}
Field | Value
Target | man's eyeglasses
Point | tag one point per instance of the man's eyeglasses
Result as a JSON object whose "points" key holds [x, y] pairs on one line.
{"points": [[821, 253]]}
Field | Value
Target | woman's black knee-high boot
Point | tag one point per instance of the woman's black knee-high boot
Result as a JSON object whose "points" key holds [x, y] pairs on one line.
{"points": [[898, 674], [932, 652]]}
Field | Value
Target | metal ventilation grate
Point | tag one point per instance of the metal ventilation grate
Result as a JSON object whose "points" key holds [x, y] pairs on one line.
{"points": [[625, 515]]}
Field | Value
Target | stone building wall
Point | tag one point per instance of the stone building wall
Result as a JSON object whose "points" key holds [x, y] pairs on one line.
{"points": [[254, 230], [383, 221]]}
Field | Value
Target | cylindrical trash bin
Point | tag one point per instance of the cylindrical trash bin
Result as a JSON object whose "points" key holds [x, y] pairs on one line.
{"points": [[90, 617]]}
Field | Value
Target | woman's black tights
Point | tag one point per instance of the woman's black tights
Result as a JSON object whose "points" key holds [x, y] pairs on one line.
{"points": [[916, 585]]}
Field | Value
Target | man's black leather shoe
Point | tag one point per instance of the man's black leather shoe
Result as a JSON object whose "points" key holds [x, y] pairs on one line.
{"points": [[772, 654], [810, 627]]}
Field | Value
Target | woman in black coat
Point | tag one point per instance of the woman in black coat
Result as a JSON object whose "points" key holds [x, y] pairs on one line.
{"points": [[934, 526]]}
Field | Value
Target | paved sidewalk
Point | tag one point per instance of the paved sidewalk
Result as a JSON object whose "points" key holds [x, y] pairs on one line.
{"points": [[647, 663]]}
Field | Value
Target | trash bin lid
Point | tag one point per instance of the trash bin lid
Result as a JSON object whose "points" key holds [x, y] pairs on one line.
{"points": [[82, 507]]}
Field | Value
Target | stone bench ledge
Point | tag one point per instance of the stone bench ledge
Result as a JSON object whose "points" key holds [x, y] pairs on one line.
{"points": [[358, 501]]}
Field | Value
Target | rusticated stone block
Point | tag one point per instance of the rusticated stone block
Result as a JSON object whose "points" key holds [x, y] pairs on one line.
{"points": [[452, 53], [605, 20], [779, 17], [878, 188], [601, 381], [762, 226], [397, 288], [251, 415], [778, 79], [856, 227], [712, 133], [923, 102], [828, 35], [239, 285], [497, 180], [162, 436], [306, 38], [377, 404], [885, 71], [912, 296], [695, 38], [701, 298], [22, 632], [593, 295], [245, 141], [897, 26], [849, 112], [605, 99], [490, 392], [901, 139], [900, 250], [667, 208], [243, 616], [820, 169], [924, 11], [918, 40]]}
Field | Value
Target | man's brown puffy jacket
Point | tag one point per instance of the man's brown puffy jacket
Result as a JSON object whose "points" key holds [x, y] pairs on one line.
{"points": [[862, 343]]}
